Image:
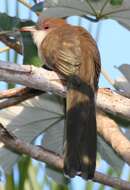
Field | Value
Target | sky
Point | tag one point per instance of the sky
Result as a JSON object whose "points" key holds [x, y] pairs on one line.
{"points": [[114, 46]]}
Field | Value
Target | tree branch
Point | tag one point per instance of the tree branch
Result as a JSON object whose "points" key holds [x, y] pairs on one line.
{"points": [[33, 77], [4, 49], [16, 96], [116, 104], [49, 81], [11, 43], [52, 159], [107, 76], [112, 134], [14, 92], [25, 3], [42, 79]]}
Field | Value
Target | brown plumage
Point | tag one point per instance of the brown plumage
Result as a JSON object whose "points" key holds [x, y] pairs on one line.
{"points": [[71, 51]]}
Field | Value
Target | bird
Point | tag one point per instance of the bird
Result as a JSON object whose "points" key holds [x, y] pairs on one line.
{"points": [[72, 52]]}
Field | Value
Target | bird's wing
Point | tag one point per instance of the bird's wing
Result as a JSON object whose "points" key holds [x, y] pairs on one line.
{"points": [[68, 63]]}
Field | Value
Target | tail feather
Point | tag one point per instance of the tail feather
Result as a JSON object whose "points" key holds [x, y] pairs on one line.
{"points": [[88, 143], [80, 152]]}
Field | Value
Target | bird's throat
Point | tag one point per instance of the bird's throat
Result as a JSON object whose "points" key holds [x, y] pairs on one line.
{"points": [[38, 37]]}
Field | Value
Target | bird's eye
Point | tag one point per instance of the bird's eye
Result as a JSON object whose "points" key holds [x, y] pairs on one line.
{"points": [[46, 27]]}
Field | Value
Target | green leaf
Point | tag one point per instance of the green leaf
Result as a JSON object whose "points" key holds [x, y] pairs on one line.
{"points": [[30, 51], [11, 85], [90, 185], [32, 176], [29, 48], [23, 166], [38, 7], [12, 23], [10, 183], [116, 2], [101, 187]]}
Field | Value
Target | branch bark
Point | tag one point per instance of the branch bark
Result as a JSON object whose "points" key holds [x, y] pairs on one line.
{"points": [[41, 79], [114, 103], [24, 2], [52, 159], [33, 77], [16, 96], [112, 134], [14, 92], [11, 43]]}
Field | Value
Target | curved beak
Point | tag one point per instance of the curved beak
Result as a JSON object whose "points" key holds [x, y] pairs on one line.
{"points": [[28, 29]]}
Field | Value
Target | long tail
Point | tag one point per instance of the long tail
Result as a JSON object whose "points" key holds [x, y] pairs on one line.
{"points": [[80, 152]]}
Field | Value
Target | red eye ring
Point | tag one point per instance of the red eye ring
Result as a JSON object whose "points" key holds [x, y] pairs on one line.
{"points": [[46, 27]]}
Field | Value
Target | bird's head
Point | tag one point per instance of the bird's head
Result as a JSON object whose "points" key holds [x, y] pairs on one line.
{"points": [[42, 28]]}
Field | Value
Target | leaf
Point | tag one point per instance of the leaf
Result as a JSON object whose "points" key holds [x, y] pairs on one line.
{"points": [[12, 23], [123, 83], [29, 48], [63, 8], [120, 13], [116, 2], [123, 86], [7, 159], [54, 137], [125, 70], [54, 140], [38, 7], [28, 120], [108, 154], [102, 9], [57, 176], [23, 167], [10, 29], [30, 51]]}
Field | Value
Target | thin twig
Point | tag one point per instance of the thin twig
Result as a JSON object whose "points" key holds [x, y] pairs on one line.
{"points": [[4, 49], [16, 92], [9, 42], [52, 159], [91, 18], [6, 32], [107, 76], [20, 97], [24, 2]]}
